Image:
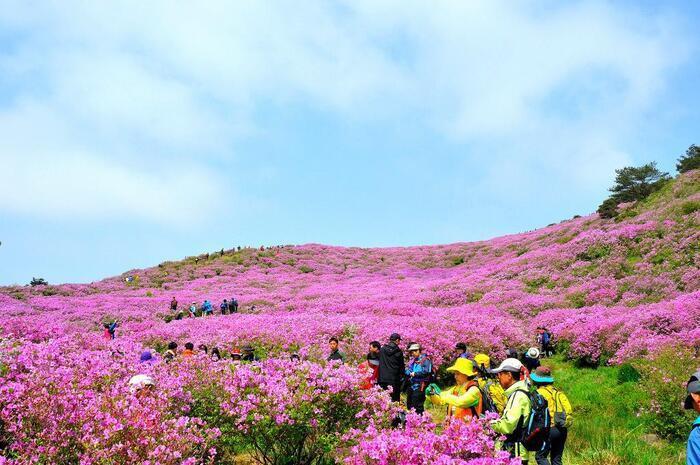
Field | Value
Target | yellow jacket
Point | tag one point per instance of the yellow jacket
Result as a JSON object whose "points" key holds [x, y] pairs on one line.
{"points": [[558, 403], [459, 400], [517, 408]]}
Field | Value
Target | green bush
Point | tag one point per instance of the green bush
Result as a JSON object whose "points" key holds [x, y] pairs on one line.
{"points": [[595, 252], [664, 378], [305, 269], [691, 206], [628, 374]]}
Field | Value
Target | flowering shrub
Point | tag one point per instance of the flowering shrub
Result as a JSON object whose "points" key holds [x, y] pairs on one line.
{"points": [[664, 378], [298, 412], [420, 443]]}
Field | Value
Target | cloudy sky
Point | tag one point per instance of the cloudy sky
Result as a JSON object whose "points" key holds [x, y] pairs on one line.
{"points": [[137, 132]]}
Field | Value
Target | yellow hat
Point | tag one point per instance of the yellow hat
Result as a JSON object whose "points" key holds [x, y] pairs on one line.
{"points": [[483, 359], [464, 366]]}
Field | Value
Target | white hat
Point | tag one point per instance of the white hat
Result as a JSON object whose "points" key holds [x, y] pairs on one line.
{"points": [[139, 382], [533, 352], [512, 365], [414, 346]]}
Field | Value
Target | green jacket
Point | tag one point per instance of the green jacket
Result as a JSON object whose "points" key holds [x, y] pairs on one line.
{"points": [[517, 407]]}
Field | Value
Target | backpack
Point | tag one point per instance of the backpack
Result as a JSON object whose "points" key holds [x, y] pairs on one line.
{"points": [[488, 405], [533, 432], [546, 337]]}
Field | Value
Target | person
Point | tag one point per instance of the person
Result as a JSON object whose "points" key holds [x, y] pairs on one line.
{"points": [[233, 305], [559, 410], [171, 353], [418, 374], [189, 350], [110, 329], [207, 308], [517, 408], [488, 384], [692, 402], [461, 351], [192, 310], [369, 369], [215, 354], [146, 357], [335, 353], [546, 343], [391, 367], [141, 384], [224, 307], [203, 348], [531, 360], [464, 399], [295, 358], [236, 356], [249, 354], [173, 305]]}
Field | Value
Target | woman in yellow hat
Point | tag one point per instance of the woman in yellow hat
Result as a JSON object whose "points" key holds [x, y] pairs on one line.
{"points": [[463, 400]]}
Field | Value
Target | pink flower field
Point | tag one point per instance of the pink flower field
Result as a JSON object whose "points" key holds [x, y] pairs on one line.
{"points": [[610, 291]]}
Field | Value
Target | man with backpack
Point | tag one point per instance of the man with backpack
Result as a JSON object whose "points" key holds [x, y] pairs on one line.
{"points": [[525, 421], [224, 307], [418, 374], [465, 399], [233, 305], [559, 410], [692, 402], [546, 339], [391, 367]]}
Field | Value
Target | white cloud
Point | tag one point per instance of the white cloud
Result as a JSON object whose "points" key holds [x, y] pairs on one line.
{"points": [[119, 90]]}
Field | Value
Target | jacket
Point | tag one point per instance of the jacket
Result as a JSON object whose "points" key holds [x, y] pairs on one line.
{"points": [[422, 369], [336, 355], [391, 366], [463, 401], [693, 448], [557, 403], [369, 372], [517, 409]]}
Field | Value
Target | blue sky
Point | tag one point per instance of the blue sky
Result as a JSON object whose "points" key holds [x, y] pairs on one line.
{"points": [[137, 132]]}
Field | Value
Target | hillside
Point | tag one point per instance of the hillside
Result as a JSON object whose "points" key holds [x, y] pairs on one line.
{"points": [[582, 277], [612, 291]]}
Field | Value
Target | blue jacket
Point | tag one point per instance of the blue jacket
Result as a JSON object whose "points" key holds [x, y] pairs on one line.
{"points": [[422, 369], [693, 450]]}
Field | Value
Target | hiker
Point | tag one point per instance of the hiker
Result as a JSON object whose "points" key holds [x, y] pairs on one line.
{"points": [[369, 369], [546, 343], [171, 353], [192, 310], [531, 360], [391, 367], [141, 385], [488, 384], [419, 374], [110, 329], [692, 402], [173, 305], [335, 353], [461, 351], [189, 350], [464, 399], [517, 409], [215, 354], [224, 307], [249, 354], [233, 305], [559, 410], [295, 358], [236, 356], [207, 308], [146, 357], [203, 348]]}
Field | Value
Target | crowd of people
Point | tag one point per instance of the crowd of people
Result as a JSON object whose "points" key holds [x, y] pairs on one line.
{"points": [[226, 307], [531, 412]]}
